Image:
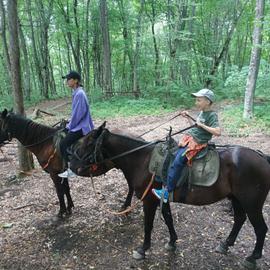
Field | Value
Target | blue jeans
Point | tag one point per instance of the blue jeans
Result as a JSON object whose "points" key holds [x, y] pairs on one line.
{"points": [[176, 168]]}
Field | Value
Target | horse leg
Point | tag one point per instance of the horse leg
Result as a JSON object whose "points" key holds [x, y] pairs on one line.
{"points": [[260, 228], [149, 208], [127, 202], [239, 219], [70, 204], [60, 194], [166, 212]]}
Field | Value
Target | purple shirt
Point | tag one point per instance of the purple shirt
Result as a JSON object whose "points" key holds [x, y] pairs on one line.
{"points": [[80, 115]]}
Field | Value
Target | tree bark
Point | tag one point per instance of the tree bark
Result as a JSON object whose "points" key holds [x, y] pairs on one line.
{"points": [[96, 55], [75, 49], [136, 86], [3, 36], [254, 60], [152, 18], [107, 73], [25, 163], [34, 46], [86, 50], [128, 51], [26, 73]]}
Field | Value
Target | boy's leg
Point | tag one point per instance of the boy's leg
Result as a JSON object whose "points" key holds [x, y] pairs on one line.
{"points": [[173, 175], [176, 168]]}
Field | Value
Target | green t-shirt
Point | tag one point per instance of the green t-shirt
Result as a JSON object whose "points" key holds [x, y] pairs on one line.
{"points": [[210, 119]]}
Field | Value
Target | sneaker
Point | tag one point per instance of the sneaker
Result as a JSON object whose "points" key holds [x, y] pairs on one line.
{"points": [[66, 174], [161, 194]]}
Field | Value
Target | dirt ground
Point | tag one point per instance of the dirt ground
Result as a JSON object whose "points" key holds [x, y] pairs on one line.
{"points": [[91, 238]]}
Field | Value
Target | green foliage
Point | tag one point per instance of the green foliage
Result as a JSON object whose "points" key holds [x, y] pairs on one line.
{"points": [[233, 123], [235, 84]]}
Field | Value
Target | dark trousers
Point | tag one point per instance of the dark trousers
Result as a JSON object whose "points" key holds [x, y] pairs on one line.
{"points": [[71, 138], [176, 168]]}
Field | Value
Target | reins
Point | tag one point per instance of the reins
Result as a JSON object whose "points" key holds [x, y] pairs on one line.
{"points": [[129, 209], [150, 130], [144, 146], [179, 114]]}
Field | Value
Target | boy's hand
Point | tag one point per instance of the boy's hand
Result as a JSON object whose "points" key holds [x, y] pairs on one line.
{"points": [[184, 114], [199, 124]]}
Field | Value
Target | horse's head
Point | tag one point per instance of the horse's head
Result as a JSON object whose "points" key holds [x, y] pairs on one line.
{"points": [[86, 154], [5, 131]]}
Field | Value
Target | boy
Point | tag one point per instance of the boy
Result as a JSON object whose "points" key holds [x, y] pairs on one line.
{"points": [[193, 141]]}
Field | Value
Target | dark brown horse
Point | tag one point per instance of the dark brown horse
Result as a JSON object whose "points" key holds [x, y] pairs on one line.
{"points": [[244, 178], [38, 139]]}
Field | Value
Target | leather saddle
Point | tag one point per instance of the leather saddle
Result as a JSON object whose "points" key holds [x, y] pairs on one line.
{"points": [[203, 172]]}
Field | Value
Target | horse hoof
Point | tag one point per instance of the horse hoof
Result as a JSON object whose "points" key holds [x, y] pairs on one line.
{"points": [[137, 255], [222, 248], [250, 264], [60, 215], [170, 247]]}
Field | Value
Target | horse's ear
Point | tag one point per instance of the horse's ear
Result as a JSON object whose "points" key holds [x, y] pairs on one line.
{"points": [[4, 113], [100, 129], [103, 125]]}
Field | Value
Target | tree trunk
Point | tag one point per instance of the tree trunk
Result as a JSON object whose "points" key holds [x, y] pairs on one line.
{"points": [[3, 36], [26, 73], [96, 55], [45, 15], [74, 48], [34, 46], [254, 60], [136, 87], [126, 80], [77, 39], [107, 73], [153, 21], [25, 163], [86, 50]]}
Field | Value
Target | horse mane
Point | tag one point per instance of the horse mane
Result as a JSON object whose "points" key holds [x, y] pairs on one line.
{"points": [[129, 137], [23, 125]]}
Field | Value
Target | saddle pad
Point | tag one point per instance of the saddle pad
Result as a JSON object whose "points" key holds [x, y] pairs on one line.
{"points": [[205, 171], [162, 155], [59, 135]]}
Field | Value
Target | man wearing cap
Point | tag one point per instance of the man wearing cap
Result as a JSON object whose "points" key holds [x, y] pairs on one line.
{"points": [[193, 141], [80, 122]]}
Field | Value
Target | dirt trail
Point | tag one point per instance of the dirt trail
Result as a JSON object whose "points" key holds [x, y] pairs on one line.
{"points": [[93, 239]]}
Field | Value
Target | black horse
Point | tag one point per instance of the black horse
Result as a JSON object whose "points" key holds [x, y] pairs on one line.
{"points": [[38, 139], [244, 178]]}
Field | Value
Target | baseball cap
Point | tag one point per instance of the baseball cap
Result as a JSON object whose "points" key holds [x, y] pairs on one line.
{"points": [[72, 75], [205, 93]]}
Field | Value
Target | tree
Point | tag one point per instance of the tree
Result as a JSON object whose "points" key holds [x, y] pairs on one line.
{"points": [[14, 52], [254, 60], [3, 35], [107, 70], [136, 86]]}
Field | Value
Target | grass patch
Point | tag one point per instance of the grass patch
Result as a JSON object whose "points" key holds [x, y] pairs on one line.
{"points": [[233, 123], [123, 107]]}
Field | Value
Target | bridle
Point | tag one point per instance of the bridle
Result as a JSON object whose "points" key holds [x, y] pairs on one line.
{"points": [[6, 129]]}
